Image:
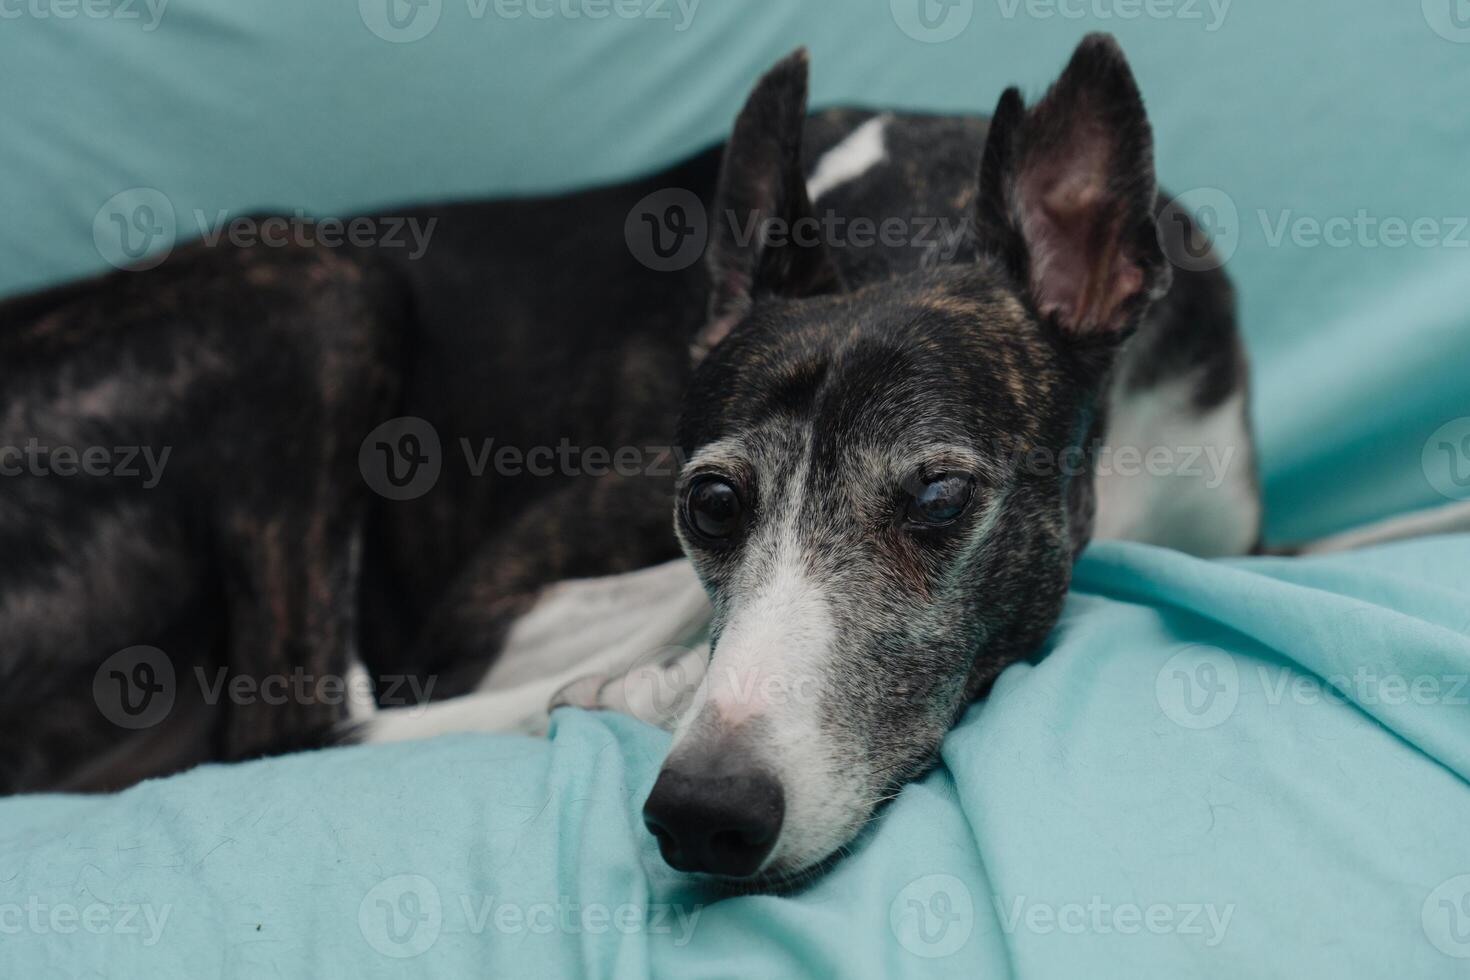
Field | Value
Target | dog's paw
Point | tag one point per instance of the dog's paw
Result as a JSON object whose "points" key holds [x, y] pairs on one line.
{"points": [[660, 688], [584, 692]]}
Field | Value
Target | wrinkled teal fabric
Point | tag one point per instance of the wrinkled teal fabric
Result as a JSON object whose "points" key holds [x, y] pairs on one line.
{"points": [[1228, 769], [1240, 768]]}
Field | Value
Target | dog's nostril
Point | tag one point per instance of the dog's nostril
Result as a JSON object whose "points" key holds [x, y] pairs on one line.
{"points": [[668, 847], [731, 847], [720, 824]]}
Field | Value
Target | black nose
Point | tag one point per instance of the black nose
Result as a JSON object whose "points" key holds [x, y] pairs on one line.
{"points": [[720, 822]]}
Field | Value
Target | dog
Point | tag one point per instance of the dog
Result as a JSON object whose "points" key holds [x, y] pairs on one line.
{"points": [[880, 462]]}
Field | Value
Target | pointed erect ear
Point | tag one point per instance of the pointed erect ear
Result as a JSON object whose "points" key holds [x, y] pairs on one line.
{"points": [[1067, 196], [755, 245]]}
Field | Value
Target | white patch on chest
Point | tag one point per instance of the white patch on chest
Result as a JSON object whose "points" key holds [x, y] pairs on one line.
{"points": [[571, 633], [575, 619], [860, 151]]}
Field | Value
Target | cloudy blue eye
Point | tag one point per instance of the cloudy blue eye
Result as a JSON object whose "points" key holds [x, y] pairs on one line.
{"points": [[941, 499]]}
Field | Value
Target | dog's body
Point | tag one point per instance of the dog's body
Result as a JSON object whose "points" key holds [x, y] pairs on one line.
{"points": [[968, 375]]}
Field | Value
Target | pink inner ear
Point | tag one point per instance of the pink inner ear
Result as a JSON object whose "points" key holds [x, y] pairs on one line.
{"points": [[1080, 270]]}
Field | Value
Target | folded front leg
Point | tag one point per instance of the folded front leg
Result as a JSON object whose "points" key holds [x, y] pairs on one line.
{"points": [[653, 633]]}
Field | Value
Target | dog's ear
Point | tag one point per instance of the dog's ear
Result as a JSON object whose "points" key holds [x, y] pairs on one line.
{"points": [[1067, 194], [762, 194]]}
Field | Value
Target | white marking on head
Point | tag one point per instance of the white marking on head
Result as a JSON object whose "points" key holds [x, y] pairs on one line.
{"points": [[860, 151], [772, 667]]}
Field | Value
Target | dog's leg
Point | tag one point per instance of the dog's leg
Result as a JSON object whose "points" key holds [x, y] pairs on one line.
{"points": [[290, 612], [106, 581], [1451, 518], [573, 620], [653, 647], [589, 528], [289, 531]]}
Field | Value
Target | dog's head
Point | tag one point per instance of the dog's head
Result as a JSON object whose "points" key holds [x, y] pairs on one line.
{"points": [[877, 496]]}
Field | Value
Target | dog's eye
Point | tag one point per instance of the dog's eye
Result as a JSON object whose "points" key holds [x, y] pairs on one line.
{"points": [[713, 508], [941, 500]]}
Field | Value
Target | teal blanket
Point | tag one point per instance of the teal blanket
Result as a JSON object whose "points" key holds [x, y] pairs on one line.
{"points": [[1238, 769]]}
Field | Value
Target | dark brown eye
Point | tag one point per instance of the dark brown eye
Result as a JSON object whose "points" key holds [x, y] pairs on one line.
{"points": [[940, 500], [713, 508]]}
